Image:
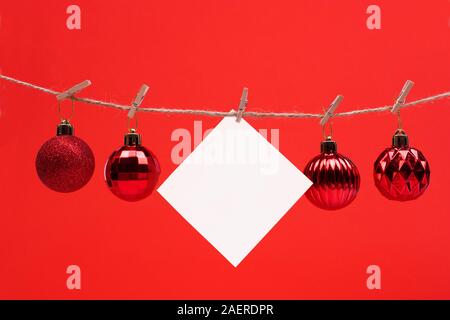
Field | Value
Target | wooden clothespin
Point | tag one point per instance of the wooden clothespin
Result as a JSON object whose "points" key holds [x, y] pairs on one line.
{"points": [[402, 97], [242, 105], [331, 110], [138, 101], [73, 91]]}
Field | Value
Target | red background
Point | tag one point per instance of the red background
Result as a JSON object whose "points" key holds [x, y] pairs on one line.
{"points": [[293, 56]]}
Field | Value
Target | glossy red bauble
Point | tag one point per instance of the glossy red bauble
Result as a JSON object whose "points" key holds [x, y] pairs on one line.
{"points": [[65, 163], [132, 171], [401, 172], [335, 178]]}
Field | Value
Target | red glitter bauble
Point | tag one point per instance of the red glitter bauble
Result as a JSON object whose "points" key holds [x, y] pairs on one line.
{"points": [[401, 173], [132, 171], [65, 163], [335, 178]]}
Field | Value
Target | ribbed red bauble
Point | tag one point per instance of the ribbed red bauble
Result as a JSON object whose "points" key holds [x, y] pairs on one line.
{"points": [[401, 172], [65, 163], [335, 178], [132, 171]]}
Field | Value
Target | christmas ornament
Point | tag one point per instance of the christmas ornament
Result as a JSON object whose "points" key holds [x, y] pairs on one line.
{"points": [[335, 178], [65, 163], [401, 172], [132, 171]]}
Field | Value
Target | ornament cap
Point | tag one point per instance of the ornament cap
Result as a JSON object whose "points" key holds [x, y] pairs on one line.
{"points": [[328, 146], [64, 129], [400, 139], [133, 138]]}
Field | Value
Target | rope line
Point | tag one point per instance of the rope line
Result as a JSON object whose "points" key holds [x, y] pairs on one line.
{"points": [[212, 113]]}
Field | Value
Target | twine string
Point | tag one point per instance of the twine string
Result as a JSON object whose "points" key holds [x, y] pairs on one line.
{"points": [[213, 113]]}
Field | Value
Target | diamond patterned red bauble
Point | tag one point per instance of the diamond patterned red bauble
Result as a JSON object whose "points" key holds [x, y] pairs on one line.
{"points": [[65, 163], [335, 178], [401, 173], [132, 171]]}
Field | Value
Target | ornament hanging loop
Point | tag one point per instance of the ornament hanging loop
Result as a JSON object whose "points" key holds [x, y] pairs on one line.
{"points": [[399, 121], [401, 100], [134, 128], [134, 108], [70, 94], [328, 115], [327, 134], [70, 116]]}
